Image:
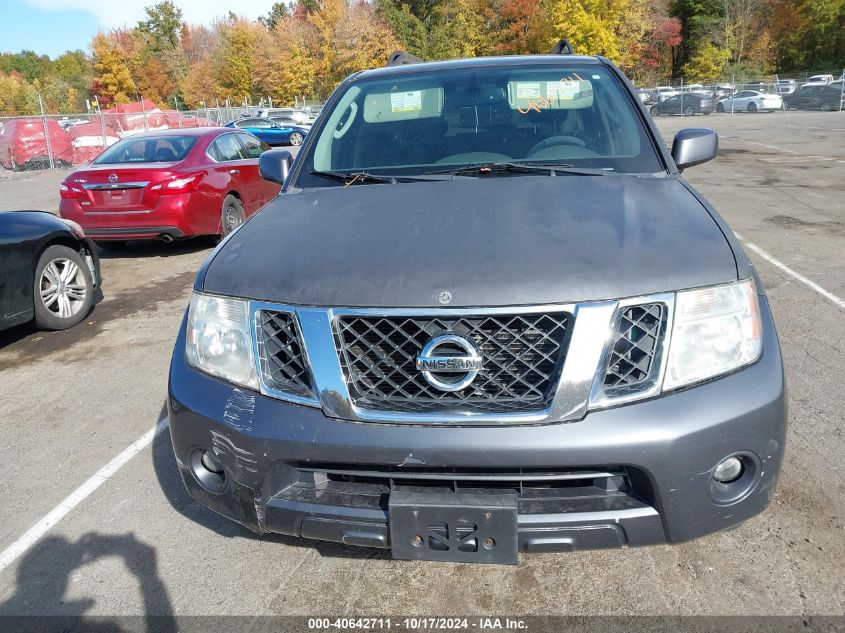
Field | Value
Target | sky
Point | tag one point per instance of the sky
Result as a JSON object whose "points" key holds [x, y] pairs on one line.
{"points": [[51, 27]]}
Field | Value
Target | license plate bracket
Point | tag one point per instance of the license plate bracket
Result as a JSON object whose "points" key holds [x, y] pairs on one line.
{"points": [[461, 527]]}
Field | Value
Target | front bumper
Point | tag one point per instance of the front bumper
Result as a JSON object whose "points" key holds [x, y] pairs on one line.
{"points": [[663, 450]]}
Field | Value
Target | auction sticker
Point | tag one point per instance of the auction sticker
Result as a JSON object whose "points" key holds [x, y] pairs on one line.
{"points": [[406, 101], [528, 90], [564, 89]]}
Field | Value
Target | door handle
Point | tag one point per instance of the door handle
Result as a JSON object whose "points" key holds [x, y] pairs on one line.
{"points": [[234, 172]]}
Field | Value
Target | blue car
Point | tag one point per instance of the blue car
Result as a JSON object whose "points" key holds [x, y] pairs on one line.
{"points": [[271, 132]]}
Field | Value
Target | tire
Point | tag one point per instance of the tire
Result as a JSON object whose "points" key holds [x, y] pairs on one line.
{"points": [[296, 138], [232, 215], [706, 113], [720, 107], [752, 107], [63, 293], [655, 111], [826, 107], [689, 111], [112, 245]]}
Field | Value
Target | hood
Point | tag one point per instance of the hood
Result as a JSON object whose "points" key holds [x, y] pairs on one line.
{"points": [[494, 241]]}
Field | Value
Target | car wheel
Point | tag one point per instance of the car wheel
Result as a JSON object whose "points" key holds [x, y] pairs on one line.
{"points": [[112, 245], [826, 107], [655, 111], [233, 214], [64, 290], [296, 138], [689, 111], [720, 107], [752, 107]]}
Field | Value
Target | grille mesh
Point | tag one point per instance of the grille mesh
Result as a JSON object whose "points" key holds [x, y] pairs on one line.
{"points": [[522, 357], [282, 359], [634, 345]]}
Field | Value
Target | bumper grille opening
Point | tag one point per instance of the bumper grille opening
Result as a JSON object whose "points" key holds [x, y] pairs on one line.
{"points": [[540, 491], [634, 346], [522, 358], [281, 354]]}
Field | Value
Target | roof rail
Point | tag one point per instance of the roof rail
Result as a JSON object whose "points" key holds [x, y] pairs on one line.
{"points": [[563, 47], [401, 58]]}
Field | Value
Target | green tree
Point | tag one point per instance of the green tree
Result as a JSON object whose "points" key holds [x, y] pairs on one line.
{"points": [[163, 27]]}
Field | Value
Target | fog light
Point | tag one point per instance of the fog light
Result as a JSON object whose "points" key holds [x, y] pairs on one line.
{"points": [[208, 471], [211, 463], [728, 470]]}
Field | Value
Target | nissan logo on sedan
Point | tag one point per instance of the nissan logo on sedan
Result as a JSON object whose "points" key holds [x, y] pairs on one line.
{"points": [[457, 355], [112, 177]]}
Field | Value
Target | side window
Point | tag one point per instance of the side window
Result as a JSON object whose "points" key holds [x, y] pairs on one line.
{"points": [[228, 148], [257, 123], [252, 146]]}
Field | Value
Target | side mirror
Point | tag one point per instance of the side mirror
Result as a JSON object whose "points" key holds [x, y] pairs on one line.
{"points": [[694, 146], [274, 165]]}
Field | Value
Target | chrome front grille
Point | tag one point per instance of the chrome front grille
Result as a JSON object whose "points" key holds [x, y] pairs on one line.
{"points": [[281, 356], [634, 345], [522, 359]]}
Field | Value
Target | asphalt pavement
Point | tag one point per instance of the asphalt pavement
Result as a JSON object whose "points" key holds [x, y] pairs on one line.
{"points": [[133, 543]]}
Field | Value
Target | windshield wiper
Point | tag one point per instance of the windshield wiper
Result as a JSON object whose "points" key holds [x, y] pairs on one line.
{"points": [[550, 168], [351, 178]]}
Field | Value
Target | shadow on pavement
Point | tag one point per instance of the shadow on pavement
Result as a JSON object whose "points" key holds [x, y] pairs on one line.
{"points": [[46, 570], [167, 473], [157, 248]]}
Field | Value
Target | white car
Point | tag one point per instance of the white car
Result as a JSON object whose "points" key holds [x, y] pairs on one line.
{"points": [[819, 80], [750, 101]]}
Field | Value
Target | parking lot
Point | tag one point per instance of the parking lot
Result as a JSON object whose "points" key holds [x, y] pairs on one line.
{"points": [[130, 541]]}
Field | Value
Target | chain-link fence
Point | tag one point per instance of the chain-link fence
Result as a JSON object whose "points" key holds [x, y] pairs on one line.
{"points": [[60, 141]]}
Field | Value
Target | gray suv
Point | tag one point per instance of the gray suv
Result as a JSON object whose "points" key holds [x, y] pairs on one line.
{"points": [[485, 314]]}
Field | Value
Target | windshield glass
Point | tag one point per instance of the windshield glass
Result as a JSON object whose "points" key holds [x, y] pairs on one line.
{"points": [[426, 122], [157, 149]]}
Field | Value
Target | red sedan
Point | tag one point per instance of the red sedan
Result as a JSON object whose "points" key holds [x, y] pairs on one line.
{"points": [[168, 184]]}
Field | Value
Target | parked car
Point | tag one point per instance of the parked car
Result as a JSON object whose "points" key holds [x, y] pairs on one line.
{"points": [[750, 101], [817, 97], [24, 144], [819, 80], [687, 103], [664, 92], [271, 132], [286, 122], [168, 184], [786, 87], [460, 341], [49, 271], [297, 116]]}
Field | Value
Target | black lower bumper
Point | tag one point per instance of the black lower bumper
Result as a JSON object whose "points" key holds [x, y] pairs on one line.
{"points": [[635, 475], [135, 233]]}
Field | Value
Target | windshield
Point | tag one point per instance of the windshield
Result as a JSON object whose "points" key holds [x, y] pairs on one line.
{"points": [[157, 149], [426, 122]]}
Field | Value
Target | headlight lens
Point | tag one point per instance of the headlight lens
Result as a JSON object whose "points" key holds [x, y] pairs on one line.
{"points": [[219, 339], [716, 330]]}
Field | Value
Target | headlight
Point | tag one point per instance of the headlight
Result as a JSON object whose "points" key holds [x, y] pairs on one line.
{"points": [[219, 339], [716, 330]]}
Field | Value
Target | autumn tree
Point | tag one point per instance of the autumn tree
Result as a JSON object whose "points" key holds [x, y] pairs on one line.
{"points": [[233, 61], [112, 81]]}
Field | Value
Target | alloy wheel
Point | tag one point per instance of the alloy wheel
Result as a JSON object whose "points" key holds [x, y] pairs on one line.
{"points": [[63, 288]]}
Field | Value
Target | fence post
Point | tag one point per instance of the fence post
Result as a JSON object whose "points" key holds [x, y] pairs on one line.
{"points": [[144, 112], [733, 92], [842, 90], [46, 133], [178, 116], [102, 120], [682, 96]]}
